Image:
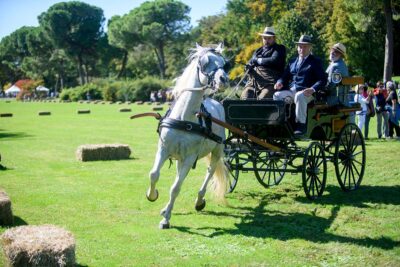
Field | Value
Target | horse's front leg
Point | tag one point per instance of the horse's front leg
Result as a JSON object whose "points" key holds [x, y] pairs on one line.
{"points": [[183, 168], [200, 201], [161, 157]]}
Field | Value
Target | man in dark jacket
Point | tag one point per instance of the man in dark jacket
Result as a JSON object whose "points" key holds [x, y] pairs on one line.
{"points": [[266, 66], [303, 77]]}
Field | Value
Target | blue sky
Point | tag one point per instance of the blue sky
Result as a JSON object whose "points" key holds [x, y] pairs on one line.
{"points": [[18, 13]]}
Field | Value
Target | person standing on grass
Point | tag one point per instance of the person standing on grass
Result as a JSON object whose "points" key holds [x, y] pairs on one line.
{"points": [[363, 98], [393, 108], [370, 112], [382, 116]]}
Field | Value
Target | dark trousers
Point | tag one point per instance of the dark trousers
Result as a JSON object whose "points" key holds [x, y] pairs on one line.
{"points": [[393, 127], [366, 126]]}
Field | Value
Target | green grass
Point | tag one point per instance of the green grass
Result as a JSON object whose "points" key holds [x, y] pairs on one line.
{"points": [[104, 205]]}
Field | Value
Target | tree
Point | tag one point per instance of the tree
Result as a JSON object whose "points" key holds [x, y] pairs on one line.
{"points": [[75, 27], [13, 51], [121, 37], [156, 24], [289, 29]]}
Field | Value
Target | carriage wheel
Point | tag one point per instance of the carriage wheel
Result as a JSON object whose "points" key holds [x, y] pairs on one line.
{"points": [[231, 160], [349, 158], [314, 171], [269, 168], [237, 154]]}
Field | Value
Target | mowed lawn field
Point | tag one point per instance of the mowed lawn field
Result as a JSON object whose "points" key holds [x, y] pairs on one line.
{"points": [[103, 203]]}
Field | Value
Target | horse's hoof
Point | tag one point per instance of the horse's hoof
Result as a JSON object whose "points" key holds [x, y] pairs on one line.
{"points": [[164, 225], [152, 199], [201, 206]]}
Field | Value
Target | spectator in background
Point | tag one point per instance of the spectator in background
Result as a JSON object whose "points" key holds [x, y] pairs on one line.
{"points": [[370, 111], [393, 109], [363, 98], [381, 115]]}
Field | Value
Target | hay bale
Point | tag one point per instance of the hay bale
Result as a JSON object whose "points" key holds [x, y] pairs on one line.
{"points": [[6, 115], [44, 113], [83, 111], [125, 110], [157, 108], [139, 102], [103, 152], [45, 245], [6, 215]]}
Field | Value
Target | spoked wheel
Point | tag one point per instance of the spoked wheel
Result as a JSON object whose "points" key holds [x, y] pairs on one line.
{"points": [[314, 171], [269, 167], [349, 158], [236, 156]]}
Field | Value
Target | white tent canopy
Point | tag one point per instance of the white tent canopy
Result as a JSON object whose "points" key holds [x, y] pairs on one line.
{"points": [[13, 89], [42, 89]]}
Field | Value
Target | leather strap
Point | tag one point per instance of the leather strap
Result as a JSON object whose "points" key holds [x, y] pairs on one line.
{"points": [[189, 126]]}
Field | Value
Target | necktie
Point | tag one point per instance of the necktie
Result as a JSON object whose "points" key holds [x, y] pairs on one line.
{"points": [[299, 62]]}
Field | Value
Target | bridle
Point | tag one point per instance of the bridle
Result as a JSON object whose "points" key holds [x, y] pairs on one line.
{"points": [[211, 75]]}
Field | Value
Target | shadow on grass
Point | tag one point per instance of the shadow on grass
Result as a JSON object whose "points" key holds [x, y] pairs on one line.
{"points": [[333, 195], [11, 135], [260, 222], [18, 221]]}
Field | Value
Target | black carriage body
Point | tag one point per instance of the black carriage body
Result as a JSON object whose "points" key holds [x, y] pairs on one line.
{"points": [[265, 118], [334, 139]]}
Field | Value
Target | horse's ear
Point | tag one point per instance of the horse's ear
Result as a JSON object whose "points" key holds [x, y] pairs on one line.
{"points": [[198, 46], [220, 48]]}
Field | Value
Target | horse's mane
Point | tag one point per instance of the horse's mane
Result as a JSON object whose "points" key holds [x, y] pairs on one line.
{"points": [[193, 58]]}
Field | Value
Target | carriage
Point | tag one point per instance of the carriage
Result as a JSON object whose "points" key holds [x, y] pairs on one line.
{"points": [[261, 139]]}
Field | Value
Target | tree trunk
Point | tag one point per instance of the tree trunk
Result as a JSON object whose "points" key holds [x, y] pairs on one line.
{"points": [[123, 67], [388, 67], [80, 70], [159, 50]]}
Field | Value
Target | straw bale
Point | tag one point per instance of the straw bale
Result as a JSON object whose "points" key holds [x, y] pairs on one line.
{"points": [[6, 115], [6, 215], [139, 102], [83, 111], [44, 113], [125, 110], [43, 245], [103, 152], [157, 108]]}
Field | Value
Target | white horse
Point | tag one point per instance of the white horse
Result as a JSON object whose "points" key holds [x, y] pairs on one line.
{"points": [[204, 71]]}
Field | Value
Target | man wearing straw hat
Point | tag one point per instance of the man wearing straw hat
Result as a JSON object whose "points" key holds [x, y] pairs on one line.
{"points": [[265, 67], [303, 77], [337, 65]]}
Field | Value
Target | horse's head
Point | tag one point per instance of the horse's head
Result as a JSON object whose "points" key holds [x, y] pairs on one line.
{"points": [[211, 67]]}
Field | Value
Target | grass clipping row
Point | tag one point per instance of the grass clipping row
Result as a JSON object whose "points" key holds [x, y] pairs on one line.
{"points": [[45, 245], [103, 152]]}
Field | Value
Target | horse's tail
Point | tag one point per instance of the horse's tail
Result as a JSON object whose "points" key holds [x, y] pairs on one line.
{"points": [[219, 183]]}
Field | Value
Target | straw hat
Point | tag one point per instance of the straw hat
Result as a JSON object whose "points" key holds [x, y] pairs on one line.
{"points": [[268, 31], [340, 48]]}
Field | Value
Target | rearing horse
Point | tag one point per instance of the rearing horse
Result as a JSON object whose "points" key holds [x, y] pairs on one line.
{"points": [[177, 141]]}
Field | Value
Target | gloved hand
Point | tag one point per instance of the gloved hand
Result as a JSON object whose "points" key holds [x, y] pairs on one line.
{"points": [[248, 67], [253, 61]]}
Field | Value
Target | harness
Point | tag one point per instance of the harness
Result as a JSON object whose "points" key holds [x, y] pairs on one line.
{"points": [[189, 126], [192, 127]]}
